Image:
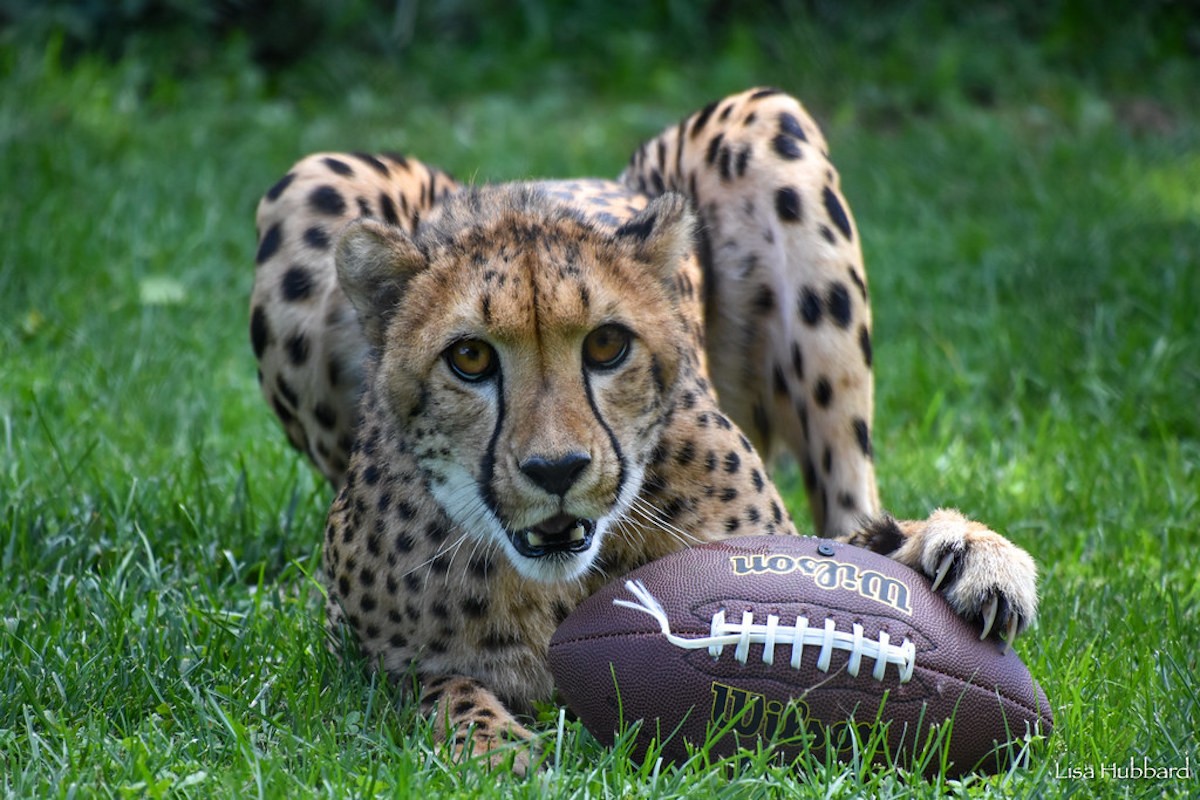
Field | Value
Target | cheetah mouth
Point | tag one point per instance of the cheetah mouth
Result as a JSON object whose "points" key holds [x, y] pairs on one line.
{"points": [[558, 535]]}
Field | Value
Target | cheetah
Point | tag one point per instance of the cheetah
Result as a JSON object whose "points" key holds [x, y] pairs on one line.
{"points": [[523, 391]]}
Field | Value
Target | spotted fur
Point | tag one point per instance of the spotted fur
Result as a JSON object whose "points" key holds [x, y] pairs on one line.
{"points": [[515, 390]]}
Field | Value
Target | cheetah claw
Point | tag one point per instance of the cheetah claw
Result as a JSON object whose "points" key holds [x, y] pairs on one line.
{"points": [[943, 570], [1010, 635], [989, 616]]}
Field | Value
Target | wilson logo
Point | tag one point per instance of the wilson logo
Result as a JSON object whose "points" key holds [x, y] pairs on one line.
{"points": [[752, 714], [828, 574]]}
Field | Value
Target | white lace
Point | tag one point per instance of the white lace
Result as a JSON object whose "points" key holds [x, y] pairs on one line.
{"points": [[797, 636]]}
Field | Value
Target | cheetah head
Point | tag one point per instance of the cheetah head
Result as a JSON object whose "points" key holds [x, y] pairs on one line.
{"points": [[528, 359]]}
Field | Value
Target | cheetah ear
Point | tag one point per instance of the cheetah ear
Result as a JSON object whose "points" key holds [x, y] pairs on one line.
{"points": [[374, 263], [662, 233]]}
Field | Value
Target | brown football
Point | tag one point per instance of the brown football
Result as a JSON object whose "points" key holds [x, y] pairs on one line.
{"points": [[783, 638]]}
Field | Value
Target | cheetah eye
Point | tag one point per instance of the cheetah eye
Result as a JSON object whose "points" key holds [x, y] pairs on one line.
{"points": [[606, 347], [472, 359]]}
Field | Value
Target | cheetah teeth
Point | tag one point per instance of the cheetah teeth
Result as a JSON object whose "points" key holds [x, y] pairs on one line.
{"points": [[577, 534]]}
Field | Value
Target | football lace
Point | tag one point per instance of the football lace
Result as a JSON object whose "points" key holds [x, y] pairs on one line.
{"points": [[797, 636]]}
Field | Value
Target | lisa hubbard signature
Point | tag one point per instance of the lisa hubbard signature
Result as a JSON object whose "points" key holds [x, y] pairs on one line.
{"points": [[1133, 771]]}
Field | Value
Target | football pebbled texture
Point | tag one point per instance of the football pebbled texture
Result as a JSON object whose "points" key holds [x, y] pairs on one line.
{"points": [[773, 637]]}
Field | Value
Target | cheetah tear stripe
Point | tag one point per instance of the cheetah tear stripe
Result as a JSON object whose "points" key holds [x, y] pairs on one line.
{"points": [[797, 636]]}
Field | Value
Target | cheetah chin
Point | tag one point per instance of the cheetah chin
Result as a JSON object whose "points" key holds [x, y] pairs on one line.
{"points": [[559, 535]]}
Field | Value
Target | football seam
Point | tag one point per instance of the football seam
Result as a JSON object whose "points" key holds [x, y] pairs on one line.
{"points": [[926, 670], [992, 691]]}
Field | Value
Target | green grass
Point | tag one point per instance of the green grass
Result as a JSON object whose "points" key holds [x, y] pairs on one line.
{"points": [[1032, 249]]}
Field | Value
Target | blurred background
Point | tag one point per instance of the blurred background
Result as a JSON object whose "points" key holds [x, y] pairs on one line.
{"points": [[884, 59]]}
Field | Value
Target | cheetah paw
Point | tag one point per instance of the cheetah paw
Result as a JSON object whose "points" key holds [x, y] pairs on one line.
{"points": [[515, 750], [475, 725], [986, 579]]}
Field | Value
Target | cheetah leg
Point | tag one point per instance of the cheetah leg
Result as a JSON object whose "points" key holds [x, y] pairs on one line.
{"points": [[468, 715], [986, 578], [306, 336], [788, 320]]}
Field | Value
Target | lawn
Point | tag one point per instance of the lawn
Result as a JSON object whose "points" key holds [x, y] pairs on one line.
{"points": [[1031, 224]]}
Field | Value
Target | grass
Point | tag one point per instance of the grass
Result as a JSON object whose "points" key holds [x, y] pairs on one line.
{"points": [[1031, 244]]}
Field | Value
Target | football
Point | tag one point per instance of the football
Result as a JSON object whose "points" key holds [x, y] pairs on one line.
{"points": [[787, 639]]}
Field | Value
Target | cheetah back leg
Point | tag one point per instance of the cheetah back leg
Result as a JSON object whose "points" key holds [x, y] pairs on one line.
{"points": [[788, 320], [306, 335]]}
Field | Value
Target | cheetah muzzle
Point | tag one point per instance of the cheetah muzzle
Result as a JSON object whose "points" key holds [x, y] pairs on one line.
{"points": [[562, 535]]}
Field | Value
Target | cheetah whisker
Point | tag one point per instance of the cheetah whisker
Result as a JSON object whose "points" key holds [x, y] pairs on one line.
{"points": [[630, 529], [653, 516], [451, 548], [489, 552]]}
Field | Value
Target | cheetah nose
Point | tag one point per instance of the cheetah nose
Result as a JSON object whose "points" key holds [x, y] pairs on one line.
{"points": [[557, 475]]}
